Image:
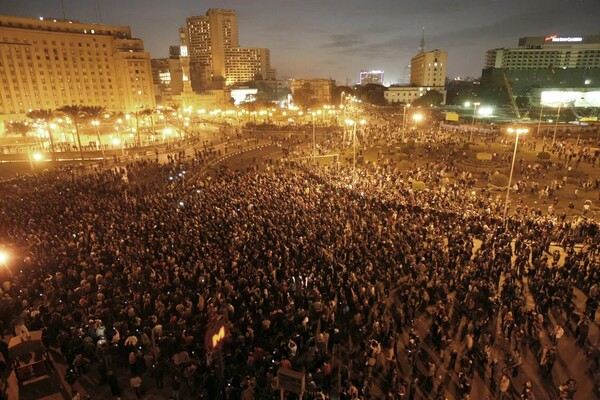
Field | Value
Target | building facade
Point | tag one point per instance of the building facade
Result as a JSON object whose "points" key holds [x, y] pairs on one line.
{"points": [[547, 52], [216, 58], [209, 37], [46, 64], [248, 64], [373, 76], [313, 91], [551, 63], [428, 68], [408, 94]]}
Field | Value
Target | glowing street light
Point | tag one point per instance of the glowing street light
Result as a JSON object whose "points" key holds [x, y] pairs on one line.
{"points": [[3, 257], [38, 156], [517, 132], [485, 111], [475, 105], [314, 137], [540, 121], [353, 124], [404, 119]]}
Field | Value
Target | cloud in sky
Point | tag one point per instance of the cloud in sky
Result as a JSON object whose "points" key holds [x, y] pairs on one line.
{"points": [[350, 34]]}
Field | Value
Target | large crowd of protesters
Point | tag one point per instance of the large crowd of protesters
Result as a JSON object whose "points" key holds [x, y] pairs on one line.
{"points": [[321, 270]]}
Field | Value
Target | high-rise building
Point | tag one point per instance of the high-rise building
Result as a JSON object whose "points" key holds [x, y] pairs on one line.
{"points": [[49, 63], [215, 54], [427, 72], [547, 64], [406, 75], [548, 52], [428, 68], [373, 76], [210, 36], [248, 64], [167, 74]]}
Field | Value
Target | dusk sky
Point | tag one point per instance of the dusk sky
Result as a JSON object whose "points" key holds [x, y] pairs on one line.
{"points": [[338, 38]]}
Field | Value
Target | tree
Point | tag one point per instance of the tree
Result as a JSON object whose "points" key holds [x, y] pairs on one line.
{"points": [[459, 92], [149, 113], [95, 113], [117, 117], [76, 114], [19, 128], [372, 93], [45, 116], [432, 97], [337, 91], [137, 115], [303, 96]]}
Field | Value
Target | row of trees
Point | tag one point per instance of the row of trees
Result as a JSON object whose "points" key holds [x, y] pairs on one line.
{"points": [[77, 115]]}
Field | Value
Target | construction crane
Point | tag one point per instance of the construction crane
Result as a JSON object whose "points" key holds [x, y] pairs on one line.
{"points": [[509, 90]]}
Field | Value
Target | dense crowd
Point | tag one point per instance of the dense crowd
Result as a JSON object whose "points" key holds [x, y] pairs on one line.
{"points": [[319, 270]]}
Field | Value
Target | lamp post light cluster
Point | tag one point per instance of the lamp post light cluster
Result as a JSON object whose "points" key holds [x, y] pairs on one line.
{"points": [[517, 132], [352, 123]]}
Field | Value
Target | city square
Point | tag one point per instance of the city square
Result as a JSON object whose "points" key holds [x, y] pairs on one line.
{"points": [[194, 227]]}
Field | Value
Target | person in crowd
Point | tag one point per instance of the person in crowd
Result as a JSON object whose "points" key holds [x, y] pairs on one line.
{"points": [[128, 268]]}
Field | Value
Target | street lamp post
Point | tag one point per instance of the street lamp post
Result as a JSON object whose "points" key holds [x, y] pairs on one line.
{"points": [[475, 105], [314, 146], [556, 124], [540, 120], [512, 167], [473, 120], [404, 119], [354, 152], [353, 124]]}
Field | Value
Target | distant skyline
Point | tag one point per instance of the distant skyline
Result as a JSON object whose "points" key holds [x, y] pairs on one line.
{"points": [[339, 38]]}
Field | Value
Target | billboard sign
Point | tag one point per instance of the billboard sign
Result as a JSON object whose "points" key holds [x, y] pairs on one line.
{"points": [[571, 98], [567, 39], [451, 116]]}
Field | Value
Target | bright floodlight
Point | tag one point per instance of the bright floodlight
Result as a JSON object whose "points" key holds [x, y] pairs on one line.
{"points": [[518, 131], [467, 104], [37, 156], [363, 121], [116, 142], [349, 122], [485, 111], [417, 117], [3, 257]]}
